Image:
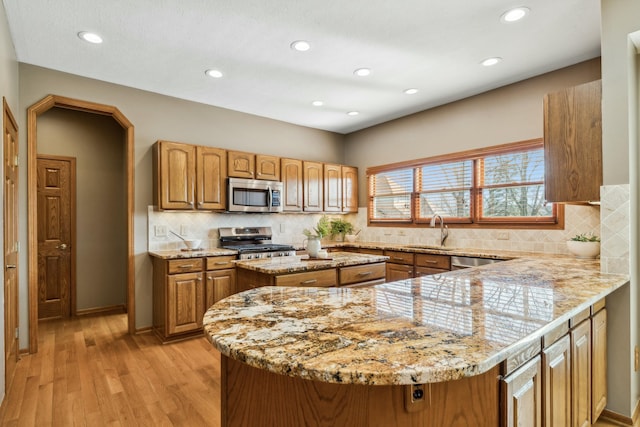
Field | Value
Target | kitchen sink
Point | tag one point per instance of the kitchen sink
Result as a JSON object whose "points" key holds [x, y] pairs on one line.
{"points": [[435, 247]]}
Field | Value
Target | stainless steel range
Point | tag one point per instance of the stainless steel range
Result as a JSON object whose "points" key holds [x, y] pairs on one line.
{"points": [[253, 242]]}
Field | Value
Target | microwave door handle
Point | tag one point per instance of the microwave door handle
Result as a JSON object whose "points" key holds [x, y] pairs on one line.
{"points": [[270, 198]]}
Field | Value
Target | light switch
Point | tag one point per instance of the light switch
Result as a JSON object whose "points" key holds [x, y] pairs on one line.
{"points": [[160, 231]]}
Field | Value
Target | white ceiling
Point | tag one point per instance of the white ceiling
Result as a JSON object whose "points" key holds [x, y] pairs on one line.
{"points": [[165, 46]]}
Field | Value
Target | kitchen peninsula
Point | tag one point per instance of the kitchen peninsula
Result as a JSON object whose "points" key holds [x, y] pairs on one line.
{"points": [[461, 348]]}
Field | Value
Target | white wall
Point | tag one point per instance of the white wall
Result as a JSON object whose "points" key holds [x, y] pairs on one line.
{"points": [[9, 90]]}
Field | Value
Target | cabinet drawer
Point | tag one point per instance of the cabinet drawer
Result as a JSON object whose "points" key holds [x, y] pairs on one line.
{"points": [[398, 257], [220, 262], [364, 251], [433, 261], [320, 278], [361, 273], [428, 271], [365, 284], [185, 265]]}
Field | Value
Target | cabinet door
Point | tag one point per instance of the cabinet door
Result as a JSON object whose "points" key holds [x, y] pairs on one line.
{"points": [[267, 167], [573, 143], [241, 164], [598, 363], [185, 302], [291, 171], [556, 365], [220, 284], [312, 186], [581, 374], [349, 189], [332, 188], [398, 272], [211, 174], [176, 175], [521, 394]]}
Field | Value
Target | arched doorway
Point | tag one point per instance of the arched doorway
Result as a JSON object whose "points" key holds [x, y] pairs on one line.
{"points": [[36, 109]]}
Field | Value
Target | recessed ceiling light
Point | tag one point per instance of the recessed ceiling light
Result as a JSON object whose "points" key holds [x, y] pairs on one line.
{"points": [[515, 14], [353, 113], [300, 46], [216, 74], [362, 72], [317, 103], [411, 91], [90, 37], [491, 61]]}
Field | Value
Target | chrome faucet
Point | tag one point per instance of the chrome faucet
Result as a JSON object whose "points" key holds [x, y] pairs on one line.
{"points": [[444, 230]]}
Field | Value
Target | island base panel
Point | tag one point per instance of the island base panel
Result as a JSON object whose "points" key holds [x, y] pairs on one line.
{"points": [[255, 397]]}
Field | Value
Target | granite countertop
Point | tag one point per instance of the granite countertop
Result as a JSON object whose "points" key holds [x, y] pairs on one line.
{"points": [[423, 330], [284, 265], [178, 254]]}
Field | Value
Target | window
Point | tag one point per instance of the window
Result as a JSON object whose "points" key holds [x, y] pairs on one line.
{"points": [[494, 186]]}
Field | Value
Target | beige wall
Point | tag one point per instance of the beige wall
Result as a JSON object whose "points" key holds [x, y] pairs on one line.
{"points": [[97, 144], [8, 90], [161, 117], [508, 114], [620, 163]]}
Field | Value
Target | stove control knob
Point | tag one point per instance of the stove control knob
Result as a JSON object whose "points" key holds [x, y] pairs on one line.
{"points": [[269, 255], [281, 254], [249, 256]]}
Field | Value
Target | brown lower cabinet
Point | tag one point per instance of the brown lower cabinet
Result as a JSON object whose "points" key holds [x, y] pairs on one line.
{"points": [[183, 289], [566, 384]]}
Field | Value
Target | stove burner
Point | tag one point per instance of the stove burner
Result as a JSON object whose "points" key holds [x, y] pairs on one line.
{"points": [[253, 243]]}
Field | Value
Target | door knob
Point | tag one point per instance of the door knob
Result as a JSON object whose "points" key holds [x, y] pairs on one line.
{"points": [[62, 246]]}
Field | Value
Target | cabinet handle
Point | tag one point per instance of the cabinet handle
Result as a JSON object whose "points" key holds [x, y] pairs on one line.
{"points": [[365, 273], [186, 266], [397, 258], [209, 278], [308, 282], [429, 261], [199, 279], [222, 263]]}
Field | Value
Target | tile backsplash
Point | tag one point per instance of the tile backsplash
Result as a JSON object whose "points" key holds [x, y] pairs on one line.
{"points": [[287, 229], [615, 220]]}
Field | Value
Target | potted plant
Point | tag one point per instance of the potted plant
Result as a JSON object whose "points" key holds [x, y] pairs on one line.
{"points": [[585, 245], [339, 227], [322, 229]]}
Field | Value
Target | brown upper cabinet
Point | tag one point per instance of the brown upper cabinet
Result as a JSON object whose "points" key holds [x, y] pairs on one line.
{"points": [[573, 143], [349, 189], [332, 187], [253, 166], [312, 185], [189, 177], [291, 171]]}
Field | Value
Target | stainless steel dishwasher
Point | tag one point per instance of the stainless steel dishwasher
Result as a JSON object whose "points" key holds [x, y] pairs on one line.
{"points": [[459, 262]]}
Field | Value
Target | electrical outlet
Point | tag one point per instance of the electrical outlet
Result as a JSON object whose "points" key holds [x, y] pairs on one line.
{"points": [[401, 233], [503, 235], [282, 227], [184, 229], [417, 397], [637, 359], [160, 231]]}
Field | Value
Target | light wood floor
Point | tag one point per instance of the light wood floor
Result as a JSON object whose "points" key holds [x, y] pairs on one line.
{"points": [[89, 372]]}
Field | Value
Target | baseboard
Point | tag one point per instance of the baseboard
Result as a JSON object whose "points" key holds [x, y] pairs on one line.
{"points": [[145, 330], [622, 419], [113, 309]]}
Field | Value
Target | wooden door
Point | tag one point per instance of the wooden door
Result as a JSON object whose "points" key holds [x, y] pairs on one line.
{"points": [[56, 222], [312, 186], [176, 175], [211, 175], [581, 374], [398, 272], [11, 247], [267, 167], [291, 172], [598, 363], [220, 284], [185, 302], [349, 189], [241, 164], [521, 394], [556, 377], [332, 188]]}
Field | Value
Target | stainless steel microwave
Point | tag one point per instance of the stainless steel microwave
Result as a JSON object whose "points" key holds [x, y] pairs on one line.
{"points": [[254, 195]]}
